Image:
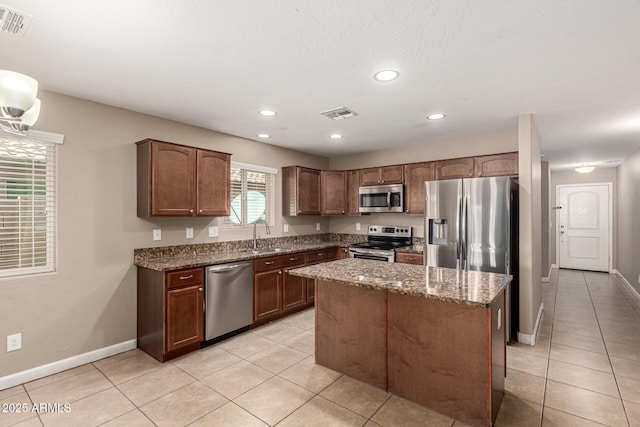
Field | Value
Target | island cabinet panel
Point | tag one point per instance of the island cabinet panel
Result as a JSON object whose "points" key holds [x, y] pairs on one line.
{"points": [[333, 200], [415, 174], [440, 356], [454, 168], [351, 332], [496, 165]]}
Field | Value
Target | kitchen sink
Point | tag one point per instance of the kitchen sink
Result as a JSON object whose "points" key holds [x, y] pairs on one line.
{"points": [[263, 250]]}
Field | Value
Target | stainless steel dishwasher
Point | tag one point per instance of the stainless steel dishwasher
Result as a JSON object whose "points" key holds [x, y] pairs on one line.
{"points": [[229, 300]]}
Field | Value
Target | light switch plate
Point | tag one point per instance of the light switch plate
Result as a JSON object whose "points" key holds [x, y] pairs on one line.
{"points": [[157, 234], [213, 231], [286, 228], [14, 342], [189, 232], [358, 226], [317, 226]]}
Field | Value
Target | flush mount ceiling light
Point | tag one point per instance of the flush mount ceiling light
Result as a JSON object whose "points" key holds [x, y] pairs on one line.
{"points": [[267, 113], [19, 107], [436, 116], [335, 136], [585, 169], [263, 135], [386, 75]]}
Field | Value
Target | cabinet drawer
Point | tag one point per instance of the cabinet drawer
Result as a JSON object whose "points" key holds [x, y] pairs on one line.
{"points": [[191, 276], [277, 262], [328, 254], [409, 258]]}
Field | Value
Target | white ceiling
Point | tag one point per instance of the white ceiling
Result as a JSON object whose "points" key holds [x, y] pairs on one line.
{"points": [[573, 64]]}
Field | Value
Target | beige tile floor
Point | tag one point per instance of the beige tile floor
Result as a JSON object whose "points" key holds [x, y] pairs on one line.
{"points": [[584, 371]]}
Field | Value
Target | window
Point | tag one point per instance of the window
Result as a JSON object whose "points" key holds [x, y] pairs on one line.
{"points": [[252, 195], [27, 203]]}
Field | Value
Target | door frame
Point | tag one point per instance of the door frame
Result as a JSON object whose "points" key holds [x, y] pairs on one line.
{"points": [[610, 225]]}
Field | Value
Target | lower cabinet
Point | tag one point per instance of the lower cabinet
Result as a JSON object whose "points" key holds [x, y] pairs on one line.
{"points": [[267, 288], [409, 258], [170, 312]]}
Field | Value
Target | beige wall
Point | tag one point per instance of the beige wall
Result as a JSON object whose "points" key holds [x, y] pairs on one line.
{"points": [[545, 232], [90, 301], [628, 221], [479, 145], [530, 224], [571, 177]]}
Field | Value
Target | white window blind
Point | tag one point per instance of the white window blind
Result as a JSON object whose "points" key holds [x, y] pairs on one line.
{"points": [[252, 195], [27, 204]]}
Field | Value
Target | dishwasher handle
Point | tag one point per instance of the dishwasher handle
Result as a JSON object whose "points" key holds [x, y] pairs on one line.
{"points": [[222, 268]]}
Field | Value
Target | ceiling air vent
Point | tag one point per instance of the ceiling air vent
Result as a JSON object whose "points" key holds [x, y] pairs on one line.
{"points": [[339, 113], [14, 22]]}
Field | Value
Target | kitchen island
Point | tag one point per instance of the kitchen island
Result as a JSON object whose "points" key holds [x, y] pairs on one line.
{"points": [[432, 335]]}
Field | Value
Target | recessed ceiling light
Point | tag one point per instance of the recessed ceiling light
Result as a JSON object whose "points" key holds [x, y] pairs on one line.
{"points": [[335, 136], [585, 169], [436, 116], [267, 113], [386, 75], [264, 135]]}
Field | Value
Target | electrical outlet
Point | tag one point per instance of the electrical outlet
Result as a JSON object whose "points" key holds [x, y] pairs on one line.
{"points": [[189, 232], [317, 226], [358, 226], [14, 342], [286, 228], [157, 234], [213, 231]]}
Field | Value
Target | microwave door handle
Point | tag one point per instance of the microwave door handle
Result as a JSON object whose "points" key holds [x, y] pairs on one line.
{"points": [[389, 199]]}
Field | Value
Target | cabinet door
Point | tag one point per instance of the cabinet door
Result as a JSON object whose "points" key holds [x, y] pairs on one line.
{"points": [[353, 183], [334, 192], [173, 179], [415, 174], [496, 165], [391, 174], [213, 172], [267, 299], [409, 258], [454, 168], [185, 316], [308, 191], [343, 252], [370, 176], [294, 291]]}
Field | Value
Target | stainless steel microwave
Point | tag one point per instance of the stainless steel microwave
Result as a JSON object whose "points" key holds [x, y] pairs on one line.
{"points": [[381, 198]]}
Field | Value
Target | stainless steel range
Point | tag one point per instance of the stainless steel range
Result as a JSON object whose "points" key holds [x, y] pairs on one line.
{"points": [[382, 240]]}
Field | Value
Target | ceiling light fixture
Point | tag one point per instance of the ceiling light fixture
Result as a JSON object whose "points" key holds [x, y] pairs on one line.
{"points": [[436, 116], [263, 135], [585, 169], [335, 136], [19, 107], [386, 75], [268, 113]]}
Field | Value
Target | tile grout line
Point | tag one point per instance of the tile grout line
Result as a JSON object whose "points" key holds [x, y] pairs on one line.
{"points": [[553, 315]]}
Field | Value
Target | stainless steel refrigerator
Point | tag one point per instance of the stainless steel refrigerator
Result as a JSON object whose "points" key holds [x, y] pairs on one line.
{"points": [[472, 224]]}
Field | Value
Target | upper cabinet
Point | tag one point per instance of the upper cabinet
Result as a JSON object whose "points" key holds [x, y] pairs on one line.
{"points": [[496, 165], [454, 168], [333, 199], [415, 174], [353, 183], [381, 175], [176, 180], [300, 191]]}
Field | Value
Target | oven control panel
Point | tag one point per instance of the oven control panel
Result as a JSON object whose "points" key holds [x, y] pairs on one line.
{"points": [[389, 231]]}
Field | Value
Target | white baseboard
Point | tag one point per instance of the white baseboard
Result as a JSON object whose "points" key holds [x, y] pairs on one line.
{"points": [[554, 266], [633, 290], [548, 278], [64, 364], [531, 339]]}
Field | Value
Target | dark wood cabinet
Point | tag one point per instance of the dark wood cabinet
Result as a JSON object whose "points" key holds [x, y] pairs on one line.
{"points": [[410, 258], [496, 165], [454, 168], [300, 191], [176, 180], [267, 288], [334, 192], [170, 312], [353, 184], [415, 174], [294, 292], [343, 252], [381, 175]]}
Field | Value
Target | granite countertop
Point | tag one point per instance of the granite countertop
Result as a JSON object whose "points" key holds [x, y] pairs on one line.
{"points": [[193, 259], [462, 287], [413, 249]]}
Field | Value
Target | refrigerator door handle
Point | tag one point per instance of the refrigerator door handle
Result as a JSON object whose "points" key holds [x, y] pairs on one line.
{"points": [[463, 232]]}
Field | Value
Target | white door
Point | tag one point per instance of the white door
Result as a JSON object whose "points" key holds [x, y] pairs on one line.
{"points": [[583, 226]]}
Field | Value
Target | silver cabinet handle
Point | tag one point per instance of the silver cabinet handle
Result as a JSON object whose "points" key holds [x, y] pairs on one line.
{"points": [[190, 210], [280, 272], [293, 259], [320, 253], [269, 262], [411, 258], [200, 211], [186, 277], [200, 289]]}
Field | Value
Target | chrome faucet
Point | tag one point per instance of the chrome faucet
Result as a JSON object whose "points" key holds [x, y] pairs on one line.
{"points": [[255, 239]]}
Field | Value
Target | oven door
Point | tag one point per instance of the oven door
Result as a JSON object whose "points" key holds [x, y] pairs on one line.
{"points": [[373, 254]]}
